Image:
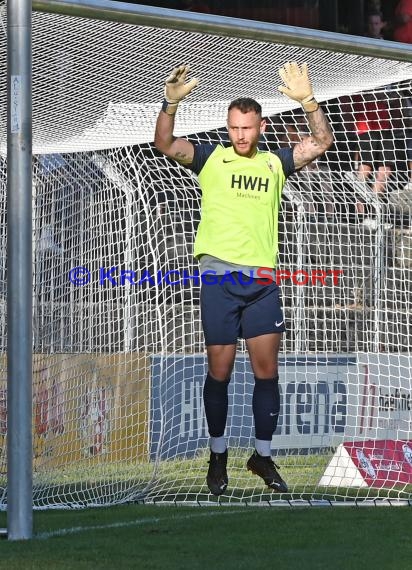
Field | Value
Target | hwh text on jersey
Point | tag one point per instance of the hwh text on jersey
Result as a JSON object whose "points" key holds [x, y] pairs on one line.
{"points": [[243, 182]]}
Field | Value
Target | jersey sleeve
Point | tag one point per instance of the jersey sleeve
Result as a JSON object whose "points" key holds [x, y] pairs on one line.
{"points": [[286, 158], [201, 154]]}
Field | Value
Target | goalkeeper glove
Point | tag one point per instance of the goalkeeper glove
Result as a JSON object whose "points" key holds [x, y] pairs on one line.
{"points": [[298, 85], [176, 88]]}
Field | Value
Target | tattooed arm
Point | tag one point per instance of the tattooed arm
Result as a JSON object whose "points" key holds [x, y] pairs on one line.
{"points": [[180, 150], [298, 86], [317, 143]]}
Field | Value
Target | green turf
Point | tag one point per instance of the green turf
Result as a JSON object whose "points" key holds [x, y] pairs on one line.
{"points": [[160, 537]]}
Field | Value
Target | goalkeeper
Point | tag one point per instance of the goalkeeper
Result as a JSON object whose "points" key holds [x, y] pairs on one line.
{"points": [[238, 233]]}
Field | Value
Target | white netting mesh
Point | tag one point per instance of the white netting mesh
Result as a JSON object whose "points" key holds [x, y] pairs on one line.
{"points": [[119, 361]]}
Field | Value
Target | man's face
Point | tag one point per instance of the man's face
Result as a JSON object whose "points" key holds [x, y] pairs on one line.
{"points": [[375, 26], [244, 131]]}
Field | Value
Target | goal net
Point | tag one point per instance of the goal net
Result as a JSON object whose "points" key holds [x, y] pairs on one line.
{"points": [[119, 359]]}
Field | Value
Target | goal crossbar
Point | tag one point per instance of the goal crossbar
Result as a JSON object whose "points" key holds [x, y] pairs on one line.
{"points": [[225, 26]]}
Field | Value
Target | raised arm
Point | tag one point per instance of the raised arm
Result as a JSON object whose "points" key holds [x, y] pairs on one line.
{"points": [[317, 143], [176, 89], [298, 87]]}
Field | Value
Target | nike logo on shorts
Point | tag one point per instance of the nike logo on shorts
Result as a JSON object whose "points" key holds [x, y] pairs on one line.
{"points": [[279, 324]]}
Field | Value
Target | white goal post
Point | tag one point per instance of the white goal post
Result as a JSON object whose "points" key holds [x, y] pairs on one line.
{"points": [[119, 359]]}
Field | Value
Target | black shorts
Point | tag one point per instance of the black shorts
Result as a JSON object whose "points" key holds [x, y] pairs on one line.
{"points": [[234, 306], [377, 148]]}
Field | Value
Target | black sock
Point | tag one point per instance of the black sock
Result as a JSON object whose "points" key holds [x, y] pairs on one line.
{"points": [[216, 403], [266, 406]]}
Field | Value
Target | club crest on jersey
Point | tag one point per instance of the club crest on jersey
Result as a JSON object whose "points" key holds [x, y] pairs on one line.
{"points": [[270, 165]]}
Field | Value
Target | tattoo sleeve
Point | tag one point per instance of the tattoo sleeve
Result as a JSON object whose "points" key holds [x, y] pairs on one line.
{"points": [[317, 143], [320, 128]]}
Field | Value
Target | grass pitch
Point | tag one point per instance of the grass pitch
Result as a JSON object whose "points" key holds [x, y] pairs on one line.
{"points": [[253, 532], [177, 537]]}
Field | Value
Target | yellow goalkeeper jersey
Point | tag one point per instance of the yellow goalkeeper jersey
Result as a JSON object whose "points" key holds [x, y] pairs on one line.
{"points": [[240, 204]]}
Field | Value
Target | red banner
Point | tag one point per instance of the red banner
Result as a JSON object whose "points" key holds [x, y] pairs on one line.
{"points": [[382, 463]]}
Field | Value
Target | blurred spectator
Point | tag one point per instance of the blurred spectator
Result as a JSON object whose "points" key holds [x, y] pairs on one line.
{"points": [[402, 31], [375, 26], [401, 195], [291, 134], [375, 154]]}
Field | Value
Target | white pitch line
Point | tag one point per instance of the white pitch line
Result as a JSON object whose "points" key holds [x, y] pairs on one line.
{"points": [[136, 522]]}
